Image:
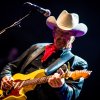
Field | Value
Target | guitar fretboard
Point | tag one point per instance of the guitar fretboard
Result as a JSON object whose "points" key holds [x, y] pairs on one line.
{"points": [[36, 81]]}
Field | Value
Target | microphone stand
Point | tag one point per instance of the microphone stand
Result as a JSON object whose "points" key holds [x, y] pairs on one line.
{"points": [[17, 23]]}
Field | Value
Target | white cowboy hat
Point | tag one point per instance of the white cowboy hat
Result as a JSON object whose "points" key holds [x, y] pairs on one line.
{"points": [[67, 22]]}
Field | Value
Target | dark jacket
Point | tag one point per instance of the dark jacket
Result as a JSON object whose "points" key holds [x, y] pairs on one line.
{"points": [[69, 91]]}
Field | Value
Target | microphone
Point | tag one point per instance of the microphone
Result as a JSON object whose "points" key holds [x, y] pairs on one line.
{"points": [[45, 12]]}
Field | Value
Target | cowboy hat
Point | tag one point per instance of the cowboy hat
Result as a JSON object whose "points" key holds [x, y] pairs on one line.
{"points": [[67, 22]]}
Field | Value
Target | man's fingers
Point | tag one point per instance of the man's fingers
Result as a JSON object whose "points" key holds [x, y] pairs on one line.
{"points": [[18, 85], [6, 82], [60, 71]]}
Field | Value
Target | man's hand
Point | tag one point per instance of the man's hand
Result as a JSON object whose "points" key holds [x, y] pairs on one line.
{"points": [[6, 82], [55, 80]]}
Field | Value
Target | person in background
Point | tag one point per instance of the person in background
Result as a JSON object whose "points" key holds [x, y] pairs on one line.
{"points": [[55, 58], [12, 55]]}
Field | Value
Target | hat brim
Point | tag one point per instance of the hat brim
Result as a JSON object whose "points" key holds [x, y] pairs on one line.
{"points": [[79, 30], [51, 22]]}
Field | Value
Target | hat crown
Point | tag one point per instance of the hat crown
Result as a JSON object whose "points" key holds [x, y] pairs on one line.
{"points": [[67, 20]]}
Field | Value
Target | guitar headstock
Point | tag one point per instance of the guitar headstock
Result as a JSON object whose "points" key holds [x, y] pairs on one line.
{"points": [[77, 74]]}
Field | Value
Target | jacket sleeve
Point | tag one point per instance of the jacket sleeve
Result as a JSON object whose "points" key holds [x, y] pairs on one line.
{"points": [[11, 67], [71, 89]]}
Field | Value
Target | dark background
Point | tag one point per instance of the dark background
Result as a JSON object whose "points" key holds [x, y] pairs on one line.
{"points": [[34, 30]]}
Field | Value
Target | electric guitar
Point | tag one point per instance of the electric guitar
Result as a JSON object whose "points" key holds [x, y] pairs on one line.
{"points": [[29, 82]]}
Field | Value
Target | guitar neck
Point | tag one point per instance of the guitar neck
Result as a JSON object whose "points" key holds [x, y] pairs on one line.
{"points": [[69, 74], [41, 80], [36, 81]]}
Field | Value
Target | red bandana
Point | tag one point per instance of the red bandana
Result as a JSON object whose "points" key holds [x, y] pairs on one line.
{"points": [[49, 50]]}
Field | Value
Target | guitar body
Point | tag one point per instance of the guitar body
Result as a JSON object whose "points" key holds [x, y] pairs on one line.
{"points": [[16, 94]]}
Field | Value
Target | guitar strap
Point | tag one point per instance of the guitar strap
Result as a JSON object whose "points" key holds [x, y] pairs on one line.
{"points": [[58, 63], [32, 57], [52, 67]]}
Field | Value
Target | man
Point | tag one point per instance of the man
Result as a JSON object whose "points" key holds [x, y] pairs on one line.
{"points": [[56, 58]]}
